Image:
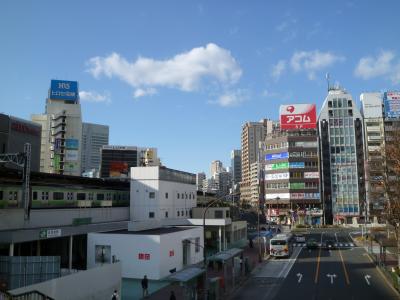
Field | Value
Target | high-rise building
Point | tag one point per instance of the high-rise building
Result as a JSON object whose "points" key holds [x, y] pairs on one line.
{"points": [[94, 136], [216, 167], [374, 136], [224, 183], [61, 123], [253, 133], [342, 157], [236, 166], [291, 176], [15, 132], [116, 161], [199, 180]]}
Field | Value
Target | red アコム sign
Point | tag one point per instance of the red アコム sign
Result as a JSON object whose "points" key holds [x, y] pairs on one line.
{"points": [[298, 116]]}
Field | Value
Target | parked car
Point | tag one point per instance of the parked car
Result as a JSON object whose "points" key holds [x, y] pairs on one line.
{"points": [[299, 238], [312, 244]]}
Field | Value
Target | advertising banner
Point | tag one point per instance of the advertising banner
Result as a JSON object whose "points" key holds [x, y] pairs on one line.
{"points": [[275, 196], [296, 195], [298, 116], [391, 101], [277, 156], [56, 162], [311, 174], [297, 185], [119, 169], [311, 195], [277, 166], [277, 176], [71, 166], [71, 155], [64, 90], [296, 165], [72, 144]]}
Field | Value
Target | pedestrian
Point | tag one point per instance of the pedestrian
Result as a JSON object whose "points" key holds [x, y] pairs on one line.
{"points": [[251, 243], [145, 286], [115, 295], [172, 297]]}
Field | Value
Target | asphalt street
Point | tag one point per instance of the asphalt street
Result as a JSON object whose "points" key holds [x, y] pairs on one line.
{"points": [[345, 272]]}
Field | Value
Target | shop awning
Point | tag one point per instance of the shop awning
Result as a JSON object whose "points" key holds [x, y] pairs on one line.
{"points": [[225, 255], [186, 274]]}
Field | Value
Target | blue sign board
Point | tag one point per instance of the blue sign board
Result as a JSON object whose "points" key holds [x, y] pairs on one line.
{"points": [[276, 156], [391, 102], [64, 90], [296, 164], [71, 144]]}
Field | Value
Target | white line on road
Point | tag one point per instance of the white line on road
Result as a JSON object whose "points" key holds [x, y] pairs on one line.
{"points": [[367, 277], [331, 276], [300, 277]]}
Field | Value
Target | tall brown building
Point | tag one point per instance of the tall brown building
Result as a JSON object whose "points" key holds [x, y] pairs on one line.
{"points": [[252, 134]]}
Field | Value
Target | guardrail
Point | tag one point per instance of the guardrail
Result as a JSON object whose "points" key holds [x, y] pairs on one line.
{"points": [[31, 295]]}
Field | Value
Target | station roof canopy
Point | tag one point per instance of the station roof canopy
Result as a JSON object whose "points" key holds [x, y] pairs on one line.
{"points": [[225, 255], [186, 274]]}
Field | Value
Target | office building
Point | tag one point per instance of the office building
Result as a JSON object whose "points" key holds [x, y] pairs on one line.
{"points": [[224, 183], [236, 166], [342, 158], [216, 167], [61, 123], [15, 132], [199, 180], [253, 133], [116, 161], [94, 136]]}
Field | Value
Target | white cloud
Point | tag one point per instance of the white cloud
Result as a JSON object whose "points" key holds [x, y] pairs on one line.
{"points": [[92, 96], [144, 92], [278, 69], [185, 71], [369, 67], [232, 98], [312, 61]]}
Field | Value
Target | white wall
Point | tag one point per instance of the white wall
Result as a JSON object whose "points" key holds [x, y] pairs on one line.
{"points": [[126, 248]]}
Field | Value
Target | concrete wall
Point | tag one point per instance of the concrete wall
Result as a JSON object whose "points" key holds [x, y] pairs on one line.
{"points": [[97, 284]]}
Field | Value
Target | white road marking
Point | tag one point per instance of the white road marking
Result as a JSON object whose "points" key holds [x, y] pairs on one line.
{"points": [[300, 276], [367, 277], [331, 276]]}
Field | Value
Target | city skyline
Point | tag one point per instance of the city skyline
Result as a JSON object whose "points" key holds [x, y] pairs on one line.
{"points": [[161, 76]]}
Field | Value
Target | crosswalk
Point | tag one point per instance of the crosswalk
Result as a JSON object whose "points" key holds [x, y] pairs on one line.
{"points": [[336, 245]]}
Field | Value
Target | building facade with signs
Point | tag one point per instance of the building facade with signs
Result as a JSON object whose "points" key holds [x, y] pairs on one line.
{"points": [[342, 158], [15, 132], [291, 176], [61, 145]]}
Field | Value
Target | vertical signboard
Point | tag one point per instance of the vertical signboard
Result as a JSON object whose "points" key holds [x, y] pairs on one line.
{"points": [[298, 116], [56, 162], [391, 101]]}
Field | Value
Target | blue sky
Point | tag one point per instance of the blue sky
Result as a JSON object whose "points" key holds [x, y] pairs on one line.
{"points": [[183, 76]]}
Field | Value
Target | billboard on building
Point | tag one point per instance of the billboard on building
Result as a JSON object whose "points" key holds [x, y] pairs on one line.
{"points": [[57, 145], [64, 90], [277, 166], [311, 174], [277, 156], [296, 165], [277, 176], [298, 116], [119, 169], [71, 155], [72, 144], [391, 101], [56, 162]]}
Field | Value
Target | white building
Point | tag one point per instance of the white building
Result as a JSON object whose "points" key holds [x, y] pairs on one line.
{"points": [[61, 130], [94, 136], [216, 167]]}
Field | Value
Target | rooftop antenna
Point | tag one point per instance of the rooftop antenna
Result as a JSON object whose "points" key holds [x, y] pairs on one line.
{"points": [[327, 76]]}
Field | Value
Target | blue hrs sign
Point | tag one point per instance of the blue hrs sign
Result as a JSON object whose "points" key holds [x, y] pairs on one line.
{"points": [[64, 90]]}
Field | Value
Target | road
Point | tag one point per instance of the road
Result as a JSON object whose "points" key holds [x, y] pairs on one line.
{"points": [[343, 273]]}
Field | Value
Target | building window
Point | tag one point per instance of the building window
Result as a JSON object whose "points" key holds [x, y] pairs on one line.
{"points": [[177, 195], [178, 213], [45, 195], [166, 195], [100, 197], [227, 214], [34, 195], [58, 196], [81, 196], [218, 214], [151, 215], [166, 214], [197, 243], [182, 213], [152, 195], [182, 196]]}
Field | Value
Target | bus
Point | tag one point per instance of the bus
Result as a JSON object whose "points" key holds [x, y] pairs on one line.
{"points": [[281, 245]]}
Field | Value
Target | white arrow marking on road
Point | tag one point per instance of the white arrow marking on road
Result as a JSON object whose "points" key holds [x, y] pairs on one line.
{"points": [[300, 277], [366, 279], [331, 276]]}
